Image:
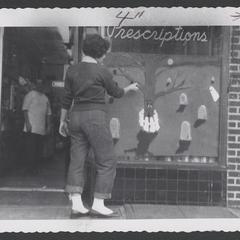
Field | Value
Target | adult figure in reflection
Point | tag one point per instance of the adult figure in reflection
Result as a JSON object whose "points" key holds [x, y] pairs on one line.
{"points": [[85, 87], [37, 123]]}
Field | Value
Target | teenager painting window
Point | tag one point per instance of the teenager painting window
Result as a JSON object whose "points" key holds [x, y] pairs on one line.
{"points": [[85, 87]]}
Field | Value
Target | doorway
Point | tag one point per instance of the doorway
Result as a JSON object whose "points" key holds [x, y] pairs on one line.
{"points": [[31, 53]]}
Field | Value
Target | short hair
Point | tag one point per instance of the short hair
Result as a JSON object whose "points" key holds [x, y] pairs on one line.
{"points": [[95, 46]]}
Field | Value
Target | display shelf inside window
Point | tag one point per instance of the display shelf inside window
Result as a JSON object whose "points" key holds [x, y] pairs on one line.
{"points": [[190, 159], [204, 160]]}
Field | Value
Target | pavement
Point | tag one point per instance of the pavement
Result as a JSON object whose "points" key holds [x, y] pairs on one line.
{"points": [[25, 205], [41, 196]]}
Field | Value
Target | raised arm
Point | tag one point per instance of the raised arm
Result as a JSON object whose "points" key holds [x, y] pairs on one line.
{"points": [[114, 90]]}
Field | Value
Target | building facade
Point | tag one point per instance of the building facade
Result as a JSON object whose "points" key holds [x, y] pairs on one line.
{"points": [[233, 174], [178, 139]]}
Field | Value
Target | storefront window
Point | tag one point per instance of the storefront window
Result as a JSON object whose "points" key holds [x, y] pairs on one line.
{"points": [[166, 40], [175, 116]]}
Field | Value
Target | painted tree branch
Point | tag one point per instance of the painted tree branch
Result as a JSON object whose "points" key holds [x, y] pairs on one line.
{"points": [[175, 87], [125, 74], [159, 71], [140, 63]]}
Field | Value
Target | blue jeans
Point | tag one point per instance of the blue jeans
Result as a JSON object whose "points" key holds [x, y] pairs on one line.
{"points": [[90, 129]]}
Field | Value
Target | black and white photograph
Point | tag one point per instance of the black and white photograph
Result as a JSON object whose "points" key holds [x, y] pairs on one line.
{"points": [[120, 122]]}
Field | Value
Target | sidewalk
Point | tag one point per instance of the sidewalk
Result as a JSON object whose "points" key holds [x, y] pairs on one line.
{"points": [[48, 205]]}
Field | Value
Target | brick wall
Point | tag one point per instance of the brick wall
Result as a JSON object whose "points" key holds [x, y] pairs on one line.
{"points": [[233, 150]]}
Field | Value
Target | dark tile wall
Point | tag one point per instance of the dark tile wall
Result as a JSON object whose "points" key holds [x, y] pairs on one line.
{"points": [[169, 186], [163, 185]]}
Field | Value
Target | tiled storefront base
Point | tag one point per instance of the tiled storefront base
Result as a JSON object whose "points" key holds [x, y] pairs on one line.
{"points": [[167, 185]]}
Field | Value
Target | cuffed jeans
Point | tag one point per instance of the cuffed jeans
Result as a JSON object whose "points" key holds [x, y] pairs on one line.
{"points": [[89, 129]]}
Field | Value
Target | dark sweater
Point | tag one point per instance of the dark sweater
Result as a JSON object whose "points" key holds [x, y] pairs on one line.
{"points": [[86, 85]]}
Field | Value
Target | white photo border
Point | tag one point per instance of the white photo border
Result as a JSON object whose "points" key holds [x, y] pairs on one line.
{"points": [[174, 16]]}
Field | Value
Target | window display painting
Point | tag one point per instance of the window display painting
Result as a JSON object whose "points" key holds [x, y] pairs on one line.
{"points": [[175, 88]]}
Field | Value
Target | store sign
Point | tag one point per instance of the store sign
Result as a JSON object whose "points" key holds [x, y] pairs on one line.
{"points": [[162, 34], [58, 84]]}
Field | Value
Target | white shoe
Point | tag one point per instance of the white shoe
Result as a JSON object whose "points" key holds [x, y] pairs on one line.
{"points": [[77, 204], [102, 211], [99, 207]]}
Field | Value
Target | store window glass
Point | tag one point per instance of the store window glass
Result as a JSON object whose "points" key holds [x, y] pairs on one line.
{"points": [[175, 116]]}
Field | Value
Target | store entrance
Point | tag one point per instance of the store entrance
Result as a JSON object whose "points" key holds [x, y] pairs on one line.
{"points": [[30, 54], [49, 172]]}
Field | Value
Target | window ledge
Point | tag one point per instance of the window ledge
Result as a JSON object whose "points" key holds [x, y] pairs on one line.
{"points": [[174, 165]]}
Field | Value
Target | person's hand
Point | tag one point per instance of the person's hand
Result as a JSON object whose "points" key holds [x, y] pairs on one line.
{"points": [[63, 129], [28, 127], [132, 87]]}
